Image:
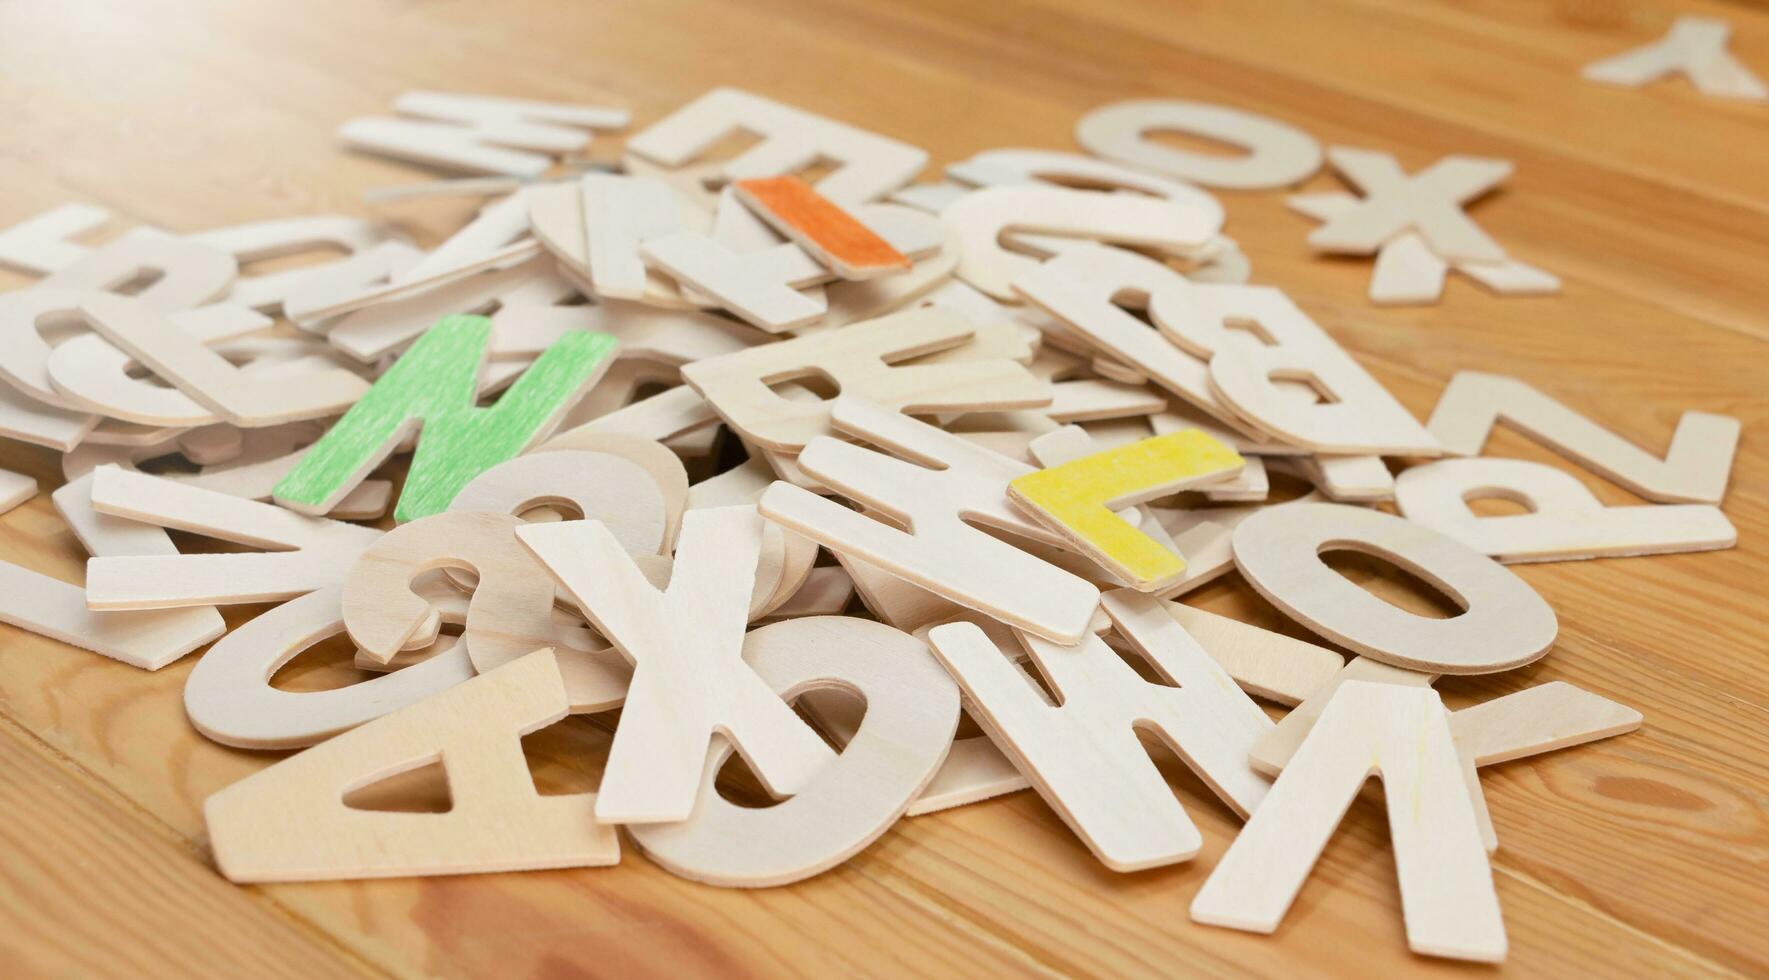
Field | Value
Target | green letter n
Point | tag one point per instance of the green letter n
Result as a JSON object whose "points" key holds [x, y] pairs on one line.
{"points": [[435, 385]]}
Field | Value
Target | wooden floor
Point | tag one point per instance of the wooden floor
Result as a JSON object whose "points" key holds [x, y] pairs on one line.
{"points": [[1644, 855]]}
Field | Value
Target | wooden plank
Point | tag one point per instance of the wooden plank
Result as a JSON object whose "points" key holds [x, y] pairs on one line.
{"points": [[93, 887], [1580, 216], [1490, 64]]}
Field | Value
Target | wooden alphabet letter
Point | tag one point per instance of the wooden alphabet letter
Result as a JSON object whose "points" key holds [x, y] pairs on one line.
{"points": [[830, 234], [1504, 624], [1565, 519], [1356, 416], [981, 216], [435, 385], [229, 697], [868, 164], [686, 645], [306, 553], [1084, 757], [1693, 471], [939, 551], [1428, 203], [1078, 498], [511, 611], [290, 823], [1446, 885], [148, 639], [911, 715], [479, 134], [980, 376], [1278, 154], [239, 397], [1695, 47]]}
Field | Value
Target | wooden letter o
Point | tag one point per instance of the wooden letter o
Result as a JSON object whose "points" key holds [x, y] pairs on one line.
{"points": [[1504, 623]]}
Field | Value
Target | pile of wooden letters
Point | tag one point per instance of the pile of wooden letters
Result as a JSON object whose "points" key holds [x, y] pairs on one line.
{"points": [[936, 433]]}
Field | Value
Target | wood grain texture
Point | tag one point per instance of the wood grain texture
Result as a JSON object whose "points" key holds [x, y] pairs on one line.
{"points": [[59, 821], [1638, 855]]}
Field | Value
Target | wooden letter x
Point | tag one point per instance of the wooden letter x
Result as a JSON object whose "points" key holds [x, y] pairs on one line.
{"points": [[1408, 272], [686, 645], [1429, 202], [1446, 885], [1083, 756], [1077, 499]]}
